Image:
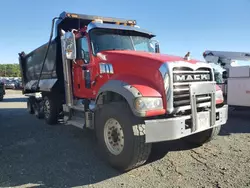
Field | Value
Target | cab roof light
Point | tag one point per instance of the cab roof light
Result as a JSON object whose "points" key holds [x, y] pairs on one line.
{"points": [[131, 22], [72, 15], [98, 21]]}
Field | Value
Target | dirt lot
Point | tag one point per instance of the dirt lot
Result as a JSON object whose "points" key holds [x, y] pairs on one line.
{"points": [[34, 154]]}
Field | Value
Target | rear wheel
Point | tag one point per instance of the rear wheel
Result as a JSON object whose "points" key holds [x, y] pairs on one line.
{"points": [[30, 108], [38, 109], [121, 136], [50, 110], [204, 136], [1, 97]]}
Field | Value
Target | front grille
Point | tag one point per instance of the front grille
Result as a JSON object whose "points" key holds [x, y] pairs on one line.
{"points": [[182, 77]]}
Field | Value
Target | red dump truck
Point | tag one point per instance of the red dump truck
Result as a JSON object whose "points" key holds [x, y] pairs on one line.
{"points": [[108, 75]]}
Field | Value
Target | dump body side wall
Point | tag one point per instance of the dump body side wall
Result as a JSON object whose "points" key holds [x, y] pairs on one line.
{"points": [[52, 73]]}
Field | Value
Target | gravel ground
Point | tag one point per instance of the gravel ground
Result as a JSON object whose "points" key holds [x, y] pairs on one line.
{"points": [[34, 154]]}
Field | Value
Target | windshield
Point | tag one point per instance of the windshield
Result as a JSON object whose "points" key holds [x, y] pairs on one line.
{"points": [[104, 39]]}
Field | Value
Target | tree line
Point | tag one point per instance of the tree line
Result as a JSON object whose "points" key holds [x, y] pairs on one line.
{"points": [[10, 70]]}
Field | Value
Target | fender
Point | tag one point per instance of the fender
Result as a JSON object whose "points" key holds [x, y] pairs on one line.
{"points": [[131, 87]]}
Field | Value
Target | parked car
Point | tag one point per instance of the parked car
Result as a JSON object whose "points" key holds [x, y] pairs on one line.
{"points": [[10, 85], [18, 84]]}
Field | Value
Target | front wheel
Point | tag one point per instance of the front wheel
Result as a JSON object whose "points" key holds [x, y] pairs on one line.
{"points": [[204, 136], [121, 136]]}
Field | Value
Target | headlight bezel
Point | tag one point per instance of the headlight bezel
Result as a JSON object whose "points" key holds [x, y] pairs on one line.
{"points": [[143, 104], [165, 76]]}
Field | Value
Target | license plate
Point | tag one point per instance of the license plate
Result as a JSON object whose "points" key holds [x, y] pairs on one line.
{"points": [[203, 121]]}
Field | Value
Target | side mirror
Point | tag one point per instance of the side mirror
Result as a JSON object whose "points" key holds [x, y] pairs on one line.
{"points": [[155, 44], [224, 75], [157, 47], [70, 45], [81, 54]]}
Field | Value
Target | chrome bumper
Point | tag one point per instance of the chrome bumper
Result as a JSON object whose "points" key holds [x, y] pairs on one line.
{"points": [[175, 128]]}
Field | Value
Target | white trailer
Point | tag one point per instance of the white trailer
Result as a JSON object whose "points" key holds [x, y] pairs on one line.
{"points": [[236, 79]]}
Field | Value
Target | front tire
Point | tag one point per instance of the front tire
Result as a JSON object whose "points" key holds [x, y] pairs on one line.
{"points": [[204, 136], [121, 136]]}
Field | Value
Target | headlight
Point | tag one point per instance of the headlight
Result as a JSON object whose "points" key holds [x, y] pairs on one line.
{"points": [[148, 103], [219, 96]]}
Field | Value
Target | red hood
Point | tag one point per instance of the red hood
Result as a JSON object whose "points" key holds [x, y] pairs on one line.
{"points": [[152, 56]]}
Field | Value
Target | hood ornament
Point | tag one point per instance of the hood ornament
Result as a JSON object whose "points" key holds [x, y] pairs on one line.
{"points": [[187, 56]]}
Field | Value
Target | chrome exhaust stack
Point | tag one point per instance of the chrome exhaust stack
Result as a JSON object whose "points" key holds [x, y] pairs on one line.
{"points": [[68, 48]]}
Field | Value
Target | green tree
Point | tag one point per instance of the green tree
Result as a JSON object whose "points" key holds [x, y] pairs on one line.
{"points": [[10, 70]]}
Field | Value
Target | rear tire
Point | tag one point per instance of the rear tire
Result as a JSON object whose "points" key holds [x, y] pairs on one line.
{"points": [[38, 113], [130, 137], [38, 109], [50, 110], [1, 98], [204, 136], [30, 108]]}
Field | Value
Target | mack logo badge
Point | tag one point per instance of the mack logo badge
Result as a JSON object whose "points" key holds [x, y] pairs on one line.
{"points": [[191, 77]]}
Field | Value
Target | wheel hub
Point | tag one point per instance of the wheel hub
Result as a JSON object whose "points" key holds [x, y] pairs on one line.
{"points": [[113, 136]]}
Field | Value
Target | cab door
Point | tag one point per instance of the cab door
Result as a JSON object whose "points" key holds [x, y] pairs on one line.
{"points": [[82, 69]]}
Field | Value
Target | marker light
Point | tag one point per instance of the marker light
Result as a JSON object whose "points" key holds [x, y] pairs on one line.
{"points": [[98, 20]]}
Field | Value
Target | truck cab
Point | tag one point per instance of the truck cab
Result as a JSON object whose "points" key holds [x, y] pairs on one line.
{"points": [[108, 75], [106, 51]]}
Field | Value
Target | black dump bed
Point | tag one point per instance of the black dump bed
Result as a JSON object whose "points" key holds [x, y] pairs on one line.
{"points": [[31, 66], [52, 73]]}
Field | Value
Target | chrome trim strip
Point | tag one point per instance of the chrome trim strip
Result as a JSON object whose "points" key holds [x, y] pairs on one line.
{"points": [[178, 72], [111, 70], [188, 107], [187, 83], [164, 70], [102, 68]]}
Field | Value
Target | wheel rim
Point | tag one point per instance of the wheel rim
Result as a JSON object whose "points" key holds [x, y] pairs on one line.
{"points": [[46, 109], [113, 136]]}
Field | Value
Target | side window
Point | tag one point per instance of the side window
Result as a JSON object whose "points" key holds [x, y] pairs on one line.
{"points": [[84, 49]]}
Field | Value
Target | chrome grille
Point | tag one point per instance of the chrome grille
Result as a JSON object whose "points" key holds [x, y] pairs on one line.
{"points": [[181, 94]]}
